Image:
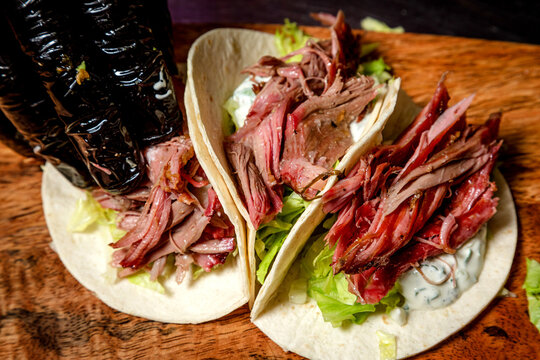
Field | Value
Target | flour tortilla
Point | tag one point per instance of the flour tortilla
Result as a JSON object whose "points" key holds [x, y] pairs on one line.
{"points": [[87, 257], [301, 328], [215, 62]]}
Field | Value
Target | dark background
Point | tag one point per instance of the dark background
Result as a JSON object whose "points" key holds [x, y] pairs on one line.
{"points": [[517, 21]]}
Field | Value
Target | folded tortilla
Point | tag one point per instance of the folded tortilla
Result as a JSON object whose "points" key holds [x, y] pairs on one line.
{"points": [[300, 327], [87, 257], [215, 62]]}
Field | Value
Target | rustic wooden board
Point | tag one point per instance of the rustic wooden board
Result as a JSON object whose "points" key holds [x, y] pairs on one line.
{"points": [[45, 313]]}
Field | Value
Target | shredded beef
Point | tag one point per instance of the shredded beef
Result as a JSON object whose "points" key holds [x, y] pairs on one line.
{"points": [[424, 195], [176, 213], [298, 125]]}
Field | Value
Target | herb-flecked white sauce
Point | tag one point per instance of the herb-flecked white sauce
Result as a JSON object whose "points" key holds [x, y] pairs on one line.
{"points": [[419, 294]]}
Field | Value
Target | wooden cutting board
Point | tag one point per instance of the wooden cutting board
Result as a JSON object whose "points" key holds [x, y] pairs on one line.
{"points": [[45, 313]]}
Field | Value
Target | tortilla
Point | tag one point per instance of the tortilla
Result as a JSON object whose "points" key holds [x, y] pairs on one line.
{"points": [[215, 62], [87, 257], [301, 328]]}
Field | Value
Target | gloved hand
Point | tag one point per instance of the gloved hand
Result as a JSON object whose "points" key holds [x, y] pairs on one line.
{"points": [[102, 69]]}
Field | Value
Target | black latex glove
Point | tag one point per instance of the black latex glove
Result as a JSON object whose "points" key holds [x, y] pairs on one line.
{"points": [[100, 65]]}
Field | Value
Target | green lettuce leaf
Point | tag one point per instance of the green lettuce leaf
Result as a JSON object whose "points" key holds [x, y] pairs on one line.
{"points": [[377, 69], [89, 212], [532, 280], [270, 236], [231, 123], [371, 24], [273, 245], [335, 312], [367, 49], [393, 299], [331, 292], [532, 288], [290, 38], [142, 278], [387, 345]]}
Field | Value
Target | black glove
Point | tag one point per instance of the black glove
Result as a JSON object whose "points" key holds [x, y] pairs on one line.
{"points": [[102, 69]]}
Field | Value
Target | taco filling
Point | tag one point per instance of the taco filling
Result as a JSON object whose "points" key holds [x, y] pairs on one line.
{"points": [[299, 122], [405, 250], [175, 212], [293, 119], [424, 195]]}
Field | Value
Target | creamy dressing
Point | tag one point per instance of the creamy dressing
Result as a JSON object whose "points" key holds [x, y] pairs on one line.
{"points": [[399, 316], [419, 294], [242, 98], [161, 84]]}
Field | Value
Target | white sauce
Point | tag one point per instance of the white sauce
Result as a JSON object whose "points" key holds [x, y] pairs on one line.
{"points": [[399, 316], [163, 96], [419, 294], [161, 84], [244, 97]]}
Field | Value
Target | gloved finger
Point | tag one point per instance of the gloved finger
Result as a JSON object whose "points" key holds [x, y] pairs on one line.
{"points": [[47, 32], [128, 54], [31, 124]]}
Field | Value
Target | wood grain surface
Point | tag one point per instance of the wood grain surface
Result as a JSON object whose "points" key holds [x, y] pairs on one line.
{"points": [[45, 313]]}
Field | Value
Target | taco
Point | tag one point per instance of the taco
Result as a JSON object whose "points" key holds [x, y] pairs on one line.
{"points": [[404, 259], [273, 159], [180, 256]]}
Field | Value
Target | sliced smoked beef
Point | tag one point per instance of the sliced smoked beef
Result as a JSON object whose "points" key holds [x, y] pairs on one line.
{"points": [[176, 213], [423, 195], [298, 125]]}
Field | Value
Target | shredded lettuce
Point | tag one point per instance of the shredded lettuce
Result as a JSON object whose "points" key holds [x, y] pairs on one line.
{"points": [[82, 66], [336, 313], [230, 125], [290, 38], [371, 24], [367, 49], [298, 291], [377, 69], [387, 345], [142, 278], [89, 212], [272, 245], [270, 236], [393, 299], [196, 271], [331, 292], [532, 288]]}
